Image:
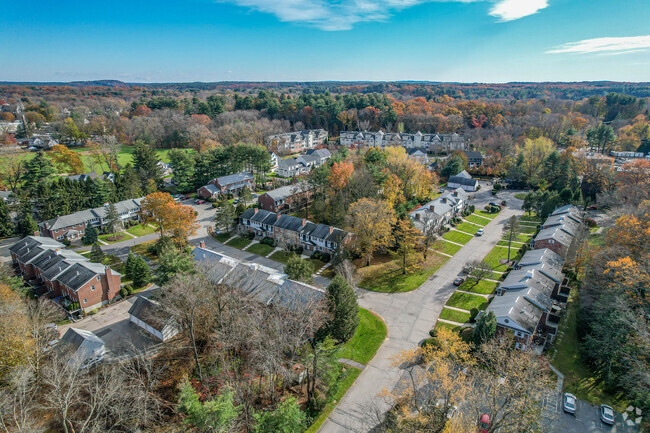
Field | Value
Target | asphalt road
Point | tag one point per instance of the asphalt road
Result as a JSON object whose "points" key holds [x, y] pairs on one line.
{"points": [[409, 317]]}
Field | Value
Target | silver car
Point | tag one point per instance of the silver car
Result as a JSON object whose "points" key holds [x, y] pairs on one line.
{"points": [[569, 403], [607, 414]]}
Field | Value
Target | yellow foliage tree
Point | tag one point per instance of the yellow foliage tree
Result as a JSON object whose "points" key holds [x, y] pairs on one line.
{"points": [[66, 160], [392, 190], [371, 223]]}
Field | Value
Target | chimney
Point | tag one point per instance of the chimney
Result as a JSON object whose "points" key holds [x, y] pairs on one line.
{"points": [[202, 244], [443, 200], [417, 216], [277, 216], [432, 208], [455, 193], [255, 210], [331, 229], [304, 221]]}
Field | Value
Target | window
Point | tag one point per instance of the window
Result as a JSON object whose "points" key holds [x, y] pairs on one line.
{"points": [[519, 334], [92, 288], [99, 278], [85, 301]]}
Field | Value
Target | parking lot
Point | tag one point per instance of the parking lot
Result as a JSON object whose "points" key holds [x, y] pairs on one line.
{"points": [[585, 420]]}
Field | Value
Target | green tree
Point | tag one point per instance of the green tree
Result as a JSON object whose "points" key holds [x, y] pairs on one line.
{"points": [[36, 170], [96, 253], [140, 272], [286, 418], [215, 415], [171, 262], [90, 236], [343, 308], [226, 215], [6, 225], [486, 327], [26, 225], [601, 137], [145, 159], [112, 220], [299, 269], [453, 166], [127, 183], [128, 266], [183, 169]]}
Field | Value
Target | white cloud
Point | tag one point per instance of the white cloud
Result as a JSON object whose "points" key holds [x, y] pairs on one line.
{"points": [[605, 46], [335, 15], [508, 10]]}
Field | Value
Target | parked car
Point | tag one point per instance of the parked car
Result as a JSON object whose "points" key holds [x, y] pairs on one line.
{"points": [[607, 414], [494, 204], [458, 281], [593, 207], [480, 232], [569, 403], [199, 201], [484, 423], [235, 201]]}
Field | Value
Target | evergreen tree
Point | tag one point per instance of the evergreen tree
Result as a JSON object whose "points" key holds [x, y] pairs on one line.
{"points": [[171, 262], [112, 219], [96, 253], [26, 225], [36, 170], [183, 170], [215, 415], [90, 236], [286, 418], [127, 183], [225, 216], [486, 327], [6, 225], [128, 267], [299, 269], [146, 162], [140, 272], [343, 308]]}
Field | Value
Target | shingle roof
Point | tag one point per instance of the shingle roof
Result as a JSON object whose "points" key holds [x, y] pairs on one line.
{"points": [[211, 188], [289, 163], [516, 312], [235, 178], [289, 222], [151, 313], [284, 192], [474, 155], [555, 233], [23, 247], [80, 344], [80, 273]]}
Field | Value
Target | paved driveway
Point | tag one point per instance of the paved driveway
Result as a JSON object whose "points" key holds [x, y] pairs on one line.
{"points": [[409, 317]]}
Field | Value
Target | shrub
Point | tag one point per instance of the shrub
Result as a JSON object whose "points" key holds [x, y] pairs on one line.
{"points": [[267, 241], [494, 192], [66, 242], [497, 186], [432, 332], [591, 222], [129, 289], [428, 342], [472, 315], [472, 208], [93, 312], [326, 257], [123, 293], [478, 187], [250, 236], [503, 202]]}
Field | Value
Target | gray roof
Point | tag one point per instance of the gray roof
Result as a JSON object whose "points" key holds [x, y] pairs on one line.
{"points": [[567, 208], [83, 177], [151, 313], [555, 233], [80, 344], [437, 208], [80, 273], [531, 284], [235, 178], [322, 153], [514, 311], [289, 163], [60, 222], [541, 256], [264, 284], [463, 178], [474, 155], [284, 192], [23, 247], [211, 188]]}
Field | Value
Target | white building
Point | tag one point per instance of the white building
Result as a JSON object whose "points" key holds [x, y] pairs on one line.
{"points": [[428, 142]]}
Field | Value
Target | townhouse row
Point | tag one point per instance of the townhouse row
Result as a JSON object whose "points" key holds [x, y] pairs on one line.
{"points": [[435, 143], [440, 210], [297, 141], [44, 262]]}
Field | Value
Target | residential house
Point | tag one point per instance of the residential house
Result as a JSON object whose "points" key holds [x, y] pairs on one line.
{"points": [[554, 238], [233, 184], [7, 197], [291, 167], [297, 232], [463, 180], [549, 264], [440, 210], [419, 156], [266, 285], [43, 261], [148, 315], [73, 226], [275, 160], [82, 348], [474, 159], [41, 142], [286, 198], [83, 177], [298, 141], [434, 143], [323, 155], [165, 168]]}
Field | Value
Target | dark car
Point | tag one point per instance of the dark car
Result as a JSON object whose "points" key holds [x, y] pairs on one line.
{"points": [[458, 281], [593, 207], [494, 204]]}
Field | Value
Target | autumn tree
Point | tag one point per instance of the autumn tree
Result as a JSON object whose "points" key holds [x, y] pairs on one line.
{"points": [[340, 173], [66, 160], [533, 154], [371, 223], [477, 271], [407, 241], [181, 223], [156, 207], [392, 190]]}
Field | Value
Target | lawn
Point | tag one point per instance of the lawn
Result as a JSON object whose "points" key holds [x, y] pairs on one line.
{"points": [[527, 229], [454, 316], [350, 376], [521, 195], [141, 230], [477, 219], [261, 249], [317, 264], [498, 253], [578, 377], [530, 219], [142, 249], [458, 237], [222, 237], [467, 227], [369, 335], [465, 301], [447, 325], [386, 275], [515, 244], [487, 215], [483, 287], [119, 237], [524, 239], [597, 239], [239, 242], [281, 256], [446, 247]]}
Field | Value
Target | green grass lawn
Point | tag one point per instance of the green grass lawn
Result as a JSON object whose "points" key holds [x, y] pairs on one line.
{"points": [[597, 239], [519, 238], [514, 244], [239, 242], [487, 215], [387, 276], [222, 237], [141, 230], [498, 253], [465, 301], [119, 238], [527, 229], [454, 316], [446, 247], [468, 227], [521, 195], [261, 249], [477, 219], [281, 256], [530, 218], [578, 377], [458, 237], [447, 325], [483, 287], [351, 375], [317, 264], [369, 335]]}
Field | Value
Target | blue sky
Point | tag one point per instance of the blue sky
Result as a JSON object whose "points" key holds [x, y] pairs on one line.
{"points": [[313, 40]]}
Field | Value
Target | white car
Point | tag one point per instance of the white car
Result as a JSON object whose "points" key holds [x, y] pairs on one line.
{"points": [[480, 232], [569, 403], [607, 414]]}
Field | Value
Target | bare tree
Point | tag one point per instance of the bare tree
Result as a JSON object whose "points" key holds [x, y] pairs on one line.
{"points": [[511, 228], [477, 271], [348, 271], [429, 232], [18, 403]]}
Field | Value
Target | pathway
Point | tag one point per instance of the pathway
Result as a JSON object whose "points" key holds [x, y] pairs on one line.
{"points": [[409, 317]]}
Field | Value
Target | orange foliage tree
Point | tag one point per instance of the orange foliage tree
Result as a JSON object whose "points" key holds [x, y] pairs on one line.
{"points": [[340, 174]]}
